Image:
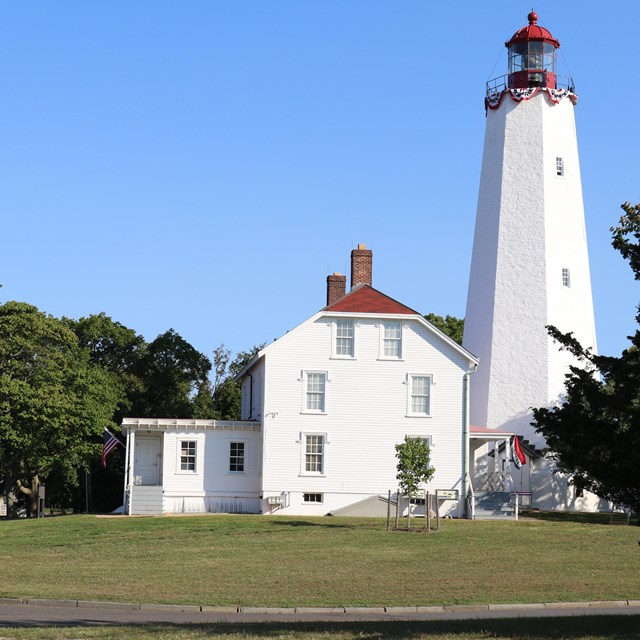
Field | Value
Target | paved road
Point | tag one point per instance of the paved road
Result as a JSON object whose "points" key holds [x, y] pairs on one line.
{"points": [[47, 613]]}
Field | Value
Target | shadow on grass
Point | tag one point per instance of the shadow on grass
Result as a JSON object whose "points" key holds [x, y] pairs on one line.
{"points": [[616, 627], [582, 518], [306, 523]]}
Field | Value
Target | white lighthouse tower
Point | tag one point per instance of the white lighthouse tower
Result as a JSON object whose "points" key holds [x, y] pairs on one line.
{"points": [[530, 265]]}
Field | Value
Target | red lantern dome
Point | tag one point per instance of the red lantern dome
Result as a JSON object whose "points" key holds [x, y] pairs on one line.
{"points": [[532, 56]]}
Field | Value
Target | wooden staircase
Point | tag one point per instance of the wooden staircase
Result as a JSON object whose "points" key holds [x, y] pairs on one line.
{"points": [[494, 505]]}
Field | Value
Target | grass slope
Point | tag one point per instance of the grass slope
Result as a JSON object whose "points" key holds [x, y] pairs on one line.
{"points": [[284, 561]]}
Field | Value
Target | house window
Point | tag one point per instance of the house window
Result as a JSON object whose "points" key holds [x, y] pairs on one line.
{"points": [[392, 340], [419, 395], [188, 455], [312, 498], [344, 338], [314, 453], [236, 457], [559, 166], [566, 278], [315, 400]]}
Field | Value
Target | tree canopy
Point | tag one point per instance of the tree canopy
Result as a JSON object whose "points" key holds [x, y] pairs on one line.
{"points": [[414, 465], [449, 325], [63, 381], [54, 402], [594, 435]]}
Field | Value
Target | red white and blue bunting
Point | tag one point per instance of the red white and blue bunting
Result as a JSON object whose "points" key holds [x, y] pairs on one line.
{"points": [[493, 100]]}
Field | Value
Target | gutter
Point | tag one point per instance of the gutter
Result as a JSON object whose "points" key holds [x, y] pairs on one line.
{"points": [[465, 437]]}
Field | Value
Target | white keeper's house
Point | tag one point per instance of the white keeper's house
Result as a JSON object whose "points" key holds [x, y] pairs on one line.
{"points": [[322, 410]]}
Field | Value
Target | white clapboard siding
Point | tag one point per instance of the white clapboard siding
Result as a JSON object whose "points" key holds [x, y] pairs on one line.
{"points": [[212, 487], [366, 412], [212, 466], [253, 393]]}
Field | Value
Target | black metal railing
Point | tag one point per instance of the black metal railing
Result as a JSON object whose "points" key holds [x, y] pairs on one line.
{"points": [[499, 84]]}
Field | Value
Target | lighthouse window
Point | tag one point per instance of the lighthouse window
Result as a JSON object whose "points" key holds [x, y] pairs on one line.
{"points": [[534, 61], [529, 56], [566, 278], [559, 167]]}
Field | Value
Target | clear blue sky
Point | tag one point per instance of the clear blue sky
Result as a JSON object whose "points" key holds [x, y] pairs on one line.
{"points": [[204, 165]]}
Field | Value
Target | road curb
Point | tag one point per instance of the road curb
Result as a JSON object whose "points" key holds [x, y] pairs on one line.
{"points": [[346, 611], [97, 604], [47, 602], [513, 607]]}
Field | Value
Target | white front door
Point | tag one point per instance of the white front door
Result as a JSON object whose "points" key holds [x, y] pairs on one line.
{"points": [[147, 460]]}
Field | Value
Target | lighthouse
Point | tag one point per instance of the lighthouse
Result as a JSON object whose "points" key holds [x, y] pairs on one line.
{"points": [[530, 265]]}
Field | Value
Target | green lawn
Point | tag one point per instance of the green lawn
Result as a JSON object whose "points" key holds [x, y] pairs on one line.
{"points": [[285, 561]]}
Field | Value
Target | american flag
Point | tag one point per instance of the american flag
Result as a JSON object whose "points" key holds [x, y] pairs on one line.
{"points": [[110, 442], [517, 456]]}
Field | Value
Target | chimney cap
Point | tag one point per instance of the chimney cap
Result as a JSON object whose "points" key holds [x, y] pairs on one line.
{"points": [[362, 247]]}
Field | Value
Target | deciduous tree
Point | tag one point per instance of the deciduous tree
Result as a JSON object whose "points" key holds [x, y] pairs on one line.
{"points": [[414, 465], [54, 403], [594, 435], [449, 325]]}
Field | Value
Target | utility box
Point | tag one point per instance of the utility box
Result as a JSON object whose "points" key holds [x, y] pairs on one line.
{"points": [[40, 501]]}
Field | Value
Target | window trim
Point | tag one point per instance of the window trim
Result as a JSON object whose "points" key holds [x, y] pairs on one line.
{"points": [[196, 465], [383, 328], [409, 382], [244, 457], [303, 454], [421, 436], [305, 381], [334, 339], [429, 440]]}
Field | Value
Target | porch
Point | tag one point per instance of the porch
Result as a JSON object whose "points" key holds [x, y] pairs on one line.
{"points": [[191, 466], [497, 489]]}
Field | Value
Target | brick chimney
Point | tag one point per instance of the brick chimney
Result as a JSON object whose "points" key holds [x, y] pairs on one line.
{"points": [[336, 287], [361, 265]]}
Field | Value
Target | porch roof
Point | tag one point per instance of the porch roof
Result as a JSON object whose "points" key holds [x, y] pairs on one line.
{"points": [[188, 424], [485, 433]]}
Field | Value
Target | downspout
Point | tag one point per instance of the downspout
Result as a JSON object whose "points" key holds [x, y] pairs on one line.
{"points": [[125, 488], [465, 438], [132, 447]]}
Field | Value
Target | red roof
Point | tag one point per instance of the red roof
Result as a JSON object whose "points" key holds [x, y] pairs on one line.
{"points": [[365, 299], [533, 32], [475, 429]]}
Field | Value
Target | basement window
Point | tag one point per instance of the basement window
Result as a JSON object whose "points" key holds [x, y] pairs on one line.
{"points": [[312, 498]]}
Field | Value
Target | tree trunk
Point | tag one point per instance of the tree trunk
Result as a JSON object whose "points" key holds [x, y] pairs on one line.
{"points": [[10, 490], [32, 495]]}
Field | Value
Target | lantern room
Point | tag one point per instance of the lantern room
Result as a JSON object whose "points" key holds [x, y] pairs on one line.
{"points": [[532, 56]]}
